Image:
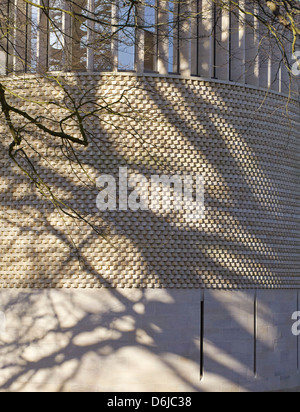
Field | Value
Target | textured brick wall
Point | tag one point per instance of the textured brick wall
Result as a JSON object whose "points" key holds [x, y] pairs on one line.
{"points": [[243, 141]]}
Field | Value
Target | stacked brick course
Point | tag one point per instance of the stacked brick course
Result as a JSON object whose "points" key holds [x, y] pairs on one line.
{"points": [[244, 141]]}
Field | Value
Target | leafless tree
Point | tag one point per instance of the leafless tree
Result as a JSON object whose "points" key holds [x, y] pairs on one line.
{"points": [[51, 37]]}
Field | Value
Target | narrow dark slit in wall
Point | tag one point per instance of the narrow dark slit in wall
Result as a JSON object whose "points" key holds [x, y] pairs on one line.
{"points": [[201, 340], [255, 336]]}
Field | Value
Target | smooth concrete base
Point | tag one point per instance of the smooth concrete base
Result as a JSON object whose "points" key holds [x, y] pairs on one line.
{"points": [[147, 340]]}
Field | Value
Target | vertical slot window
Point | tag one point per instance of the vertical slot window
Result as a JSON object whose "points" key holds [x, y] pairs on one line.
{"points": [[79, 36], [127, 39], [230, 46], [174, 17], [150, 39], [4, 41], [21, 37], [101, 44], [215, 41], [33, 39], [198, 22], [56, 38], [27, 37]]}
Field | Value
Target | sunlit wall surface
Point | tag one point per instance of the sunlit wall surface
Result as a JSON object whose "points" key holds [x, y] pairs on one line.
{"points": [[157, 303]]}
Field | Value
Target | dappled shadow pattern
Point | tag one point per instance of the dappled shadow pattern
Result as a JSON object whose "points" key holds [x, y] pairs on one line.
{"points": [[249, 236]]}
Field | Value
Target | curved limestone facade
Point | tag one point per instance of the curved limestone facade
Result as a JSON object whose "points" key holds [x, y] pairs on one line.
{"points": [[146, 295], [154, 320], [242, 141]]}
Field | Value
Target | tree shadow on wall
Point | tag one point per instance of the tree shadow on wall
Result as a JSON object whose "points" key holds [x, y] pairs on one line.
{"points": [[81, 340], [57, 339]]}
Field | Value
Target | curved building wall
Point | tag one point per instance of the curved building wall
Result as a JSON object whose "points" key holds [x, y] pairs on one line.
{"points": [[244, 142]]}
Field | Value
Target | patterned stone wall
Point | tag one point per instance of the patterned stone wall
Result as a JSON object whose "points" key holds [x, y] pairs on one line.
{"points": [[245, 143]]}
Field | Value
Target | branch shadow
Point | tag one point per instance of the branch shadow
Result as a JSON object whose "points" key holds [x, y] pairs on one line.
{"points": [[59, 338]]}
